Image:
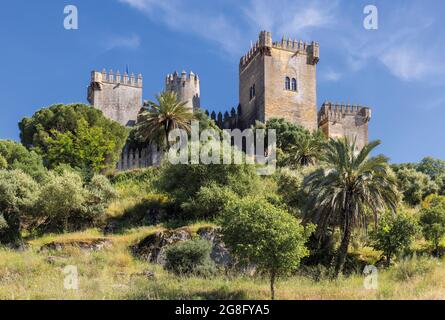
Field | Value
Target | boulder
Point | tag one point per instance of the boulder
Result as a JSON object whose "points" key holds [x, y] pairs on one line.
{"points": [[152, 248], [220, 254], [91, 245]]}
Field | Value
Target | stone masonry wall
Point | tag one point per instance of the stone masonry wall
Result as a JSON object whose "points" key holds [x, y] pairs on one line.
{"points": [[339, 120], [120, 99]]}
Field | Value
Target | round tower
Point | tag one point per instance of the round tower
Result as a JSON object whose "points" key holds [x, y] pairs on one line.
{"points": [[186, 87]]}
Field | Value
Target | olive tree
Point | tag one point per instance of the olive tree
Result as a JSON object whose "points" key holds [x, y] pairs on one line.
{"points": [[432, 221], [18, 193], [270, 238], [393, 234]]}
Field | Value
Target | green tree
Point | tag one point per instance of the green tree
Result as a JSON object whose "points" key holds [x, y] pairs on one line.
{"points": [[159, 119], [349, 186], [3, 163], [307, 150], [182, 182], [415, 185], [77, 135], [258, 233], [288, 134], [62, 201], [393, 234], [17, 157], [432, 221], [18, 193], [432, 167]]}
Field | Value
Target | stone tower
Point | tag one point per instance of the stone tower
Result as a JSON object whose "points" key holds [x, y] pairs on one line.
{"points": [[278, 80], [186, 87], [339, 120], [118, 97]]}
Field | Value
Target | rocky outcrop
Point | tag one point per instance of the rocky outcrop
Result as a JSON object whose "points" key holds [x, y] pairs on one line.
{"points": [[220, 254], [152, 248], [91, 245]]}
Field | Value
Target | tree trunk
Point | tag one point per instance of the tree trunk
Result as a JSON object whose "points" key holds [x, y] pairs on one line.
{"points": [[343, 249], [272, 284], [388, 260]]}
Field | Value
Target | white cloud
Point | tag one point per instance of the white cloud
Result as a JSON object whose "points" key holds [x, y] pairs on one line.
{"points": [[290, 17], [406, 64], [229, 32], [331, 76], [129, 42], [212, 26], [404, 45]]}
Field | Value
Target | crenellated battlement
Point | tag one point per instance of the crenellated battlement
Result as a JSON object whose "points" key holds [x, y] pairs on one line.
{"points": [[337, 111], [174, 79], [117, 78], [264, 43], [186, 87]]}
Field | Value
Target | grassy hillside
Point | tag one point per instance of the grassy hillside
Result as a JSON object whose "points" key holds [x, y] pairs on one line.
{"points": [[115, 274]]}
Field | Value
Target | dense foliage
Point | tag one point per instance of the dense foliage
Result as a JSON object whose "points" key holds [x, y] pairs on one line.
{"points": [[158, 119], [189, 257], [14, 156], [432, 221], [18, 194], [393, 234], [77, 135], [351, 185], [267, 237]]}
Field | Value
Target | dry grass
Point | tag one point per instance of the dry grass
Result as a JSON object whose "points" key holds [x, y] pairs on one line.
{"points": [[115, 274]]}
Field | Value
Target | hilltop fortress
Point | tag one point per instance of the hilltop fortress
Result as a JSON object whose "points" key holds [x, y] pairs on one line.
{"points": [[276, 80]]}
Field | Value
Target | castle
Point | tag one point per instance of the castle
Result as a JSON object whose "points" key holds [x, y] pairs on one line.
{"points": [[276, 80]]}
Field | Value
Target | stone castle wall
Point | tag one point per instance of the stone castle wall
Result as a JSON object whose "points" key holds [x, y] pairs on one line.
{"points": [[186, 87], [118, 97], [339, 120], [266, 66], [263, 95]]}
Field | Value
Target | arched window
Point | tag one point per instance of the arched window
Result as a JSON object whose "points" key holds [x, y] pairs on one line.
{"points": [[294, 84], [287, 83]]}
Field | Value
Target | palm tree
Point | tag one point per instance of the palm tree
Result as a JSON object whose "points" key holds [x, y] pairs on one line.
{"points": [[157, 120], [347, 189], [307, 150]]}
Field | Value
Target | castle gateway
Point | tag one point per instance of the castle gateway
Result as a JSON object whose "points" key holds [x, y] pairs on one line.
{"points": [[276, 80]]}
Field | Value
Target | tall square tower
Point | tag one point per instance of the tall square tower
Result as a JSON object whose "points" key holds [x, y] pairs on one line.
{"points": [[278, 80]]}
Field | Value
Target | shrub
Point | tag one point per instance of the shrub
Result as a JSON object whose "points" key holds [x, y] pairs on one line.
{"points": [[18, 193], [62, 200], [432, 221], [189, 257], [258, 233], [65, 203], [3, 163], [183, 182], [414, 266], [209, 202], [14, 156], [100, 193], [415, 185], [393, 235], [290, 188]]}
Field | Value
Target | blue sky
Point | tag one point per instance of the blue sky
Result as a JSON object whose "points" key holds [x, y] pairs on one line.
{"points": [[398, 70]]}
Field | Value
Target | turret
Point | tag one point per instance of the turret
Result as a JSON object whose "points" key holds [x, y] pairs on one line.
{"points": [[187, 88]]}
